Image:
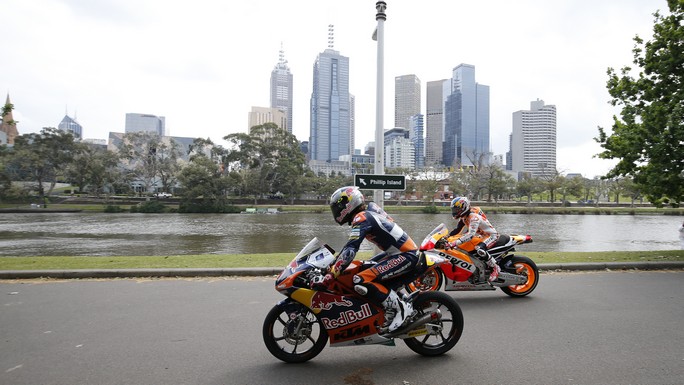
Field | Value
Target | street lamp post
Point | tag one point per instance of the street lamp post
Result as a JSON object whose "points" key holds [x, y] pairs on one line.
{"points": [[379, 36]]}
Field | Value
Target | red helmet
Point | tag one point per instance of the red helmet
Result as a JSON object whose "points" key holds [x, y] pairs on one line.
{"points": [[460, 206]]}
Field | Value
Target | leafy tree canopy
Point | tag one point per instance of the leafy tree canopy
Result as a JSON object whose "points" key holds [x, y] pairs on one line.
{"points": [[648, 136]]}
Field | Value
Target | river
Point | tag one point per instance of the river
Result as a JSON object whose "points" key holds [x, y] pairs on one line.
{"points": [[99, 234]]}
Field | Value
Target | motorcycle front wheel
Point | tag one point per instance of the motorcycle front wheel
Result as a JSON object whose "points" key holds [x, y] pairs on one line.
{"points": [[443, 333], [522, 265], [294, 334]]}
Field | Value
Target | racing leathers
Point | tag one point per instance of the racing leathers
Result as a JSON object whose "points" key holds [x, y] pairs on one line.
{"points": [[400, 257], [475, 230]]}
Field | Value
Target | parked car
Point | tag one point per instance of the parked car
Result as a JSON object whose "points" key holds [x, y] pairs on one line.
{"points": [[163, 195]]}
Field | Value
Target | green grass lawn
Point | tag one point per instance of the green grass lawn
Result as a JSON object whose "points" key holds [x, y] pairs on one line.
{"points": [[282, 259]]}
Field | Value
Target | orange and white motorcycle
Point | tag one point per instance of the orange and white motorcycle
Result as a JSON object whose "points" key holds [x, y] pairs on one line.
{"points": [[519, 275]]}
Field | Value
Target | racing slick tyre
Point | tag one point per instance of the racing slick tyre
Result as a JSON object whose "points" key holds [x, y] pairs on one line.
{"points": [[293, 335], [443, 333], [519, 264]]}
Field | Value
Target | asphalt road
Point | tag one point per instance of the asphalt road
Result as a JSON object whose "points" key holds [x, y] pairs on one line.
{"points": [[576, 328]]}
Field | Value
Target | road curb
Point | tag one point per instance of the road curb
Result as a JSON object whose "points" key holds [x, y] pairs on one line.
{"points": [[272, 271]]}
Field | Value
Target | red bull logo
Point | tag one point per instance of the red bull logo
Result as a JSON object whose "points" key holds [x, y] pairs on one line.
{"points": [[325, 301], [347, 317], [391, 264]]}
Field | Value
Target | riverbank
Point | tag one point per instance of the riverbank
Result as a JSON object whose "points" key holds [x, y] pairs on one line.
{"points": [[279, 260]]}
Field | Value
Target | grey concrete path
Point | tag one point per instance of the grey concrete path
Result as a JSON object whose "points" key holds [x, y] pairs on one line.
{"points": [[266, 271]]}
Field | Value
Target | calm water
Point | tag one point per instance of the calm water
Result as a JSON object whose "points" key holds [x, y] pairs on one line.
{"points": [[178, 234]]}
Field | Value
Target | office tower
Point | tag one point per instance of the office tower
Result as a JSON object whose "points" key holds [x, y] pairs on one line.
{"points": [[399, 151], [352, 122], [533, 141], [70, 125], [145, 123], [434, 121], [282, 90], [509, 155], [261, 115], [466, 120], [8, 125], [406, 99], [416, 129], [330, 126]]}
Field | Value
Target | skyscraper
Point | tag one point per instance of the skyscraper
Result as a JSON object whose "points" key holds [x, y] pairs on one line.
{"points": [[145, 122], [533, 141], [466, 120], [434, 121], [69, 124], [406, 99], [281, 89], [416, 128], [330, 127]]}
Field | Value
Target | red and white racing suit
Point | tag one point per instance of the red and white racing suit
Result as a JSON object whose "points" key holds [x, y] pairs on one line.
{"points": [[475, 224]]}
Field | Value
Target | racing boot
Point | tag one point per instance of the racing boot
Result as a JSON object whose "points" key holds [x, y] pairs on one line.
{"points": [[490, 261], [401, 309], [495, 269]]}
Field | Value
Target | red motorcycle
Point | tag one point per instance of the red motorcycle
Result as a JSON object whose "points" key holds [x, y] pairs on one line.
{"points": [[298, 328], [519, 275]]}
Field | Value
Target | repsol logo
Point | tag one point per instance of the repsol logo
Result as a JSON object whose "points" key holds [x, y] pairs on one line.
{"points": [[465, 265], [351, 333], [347, 317]]}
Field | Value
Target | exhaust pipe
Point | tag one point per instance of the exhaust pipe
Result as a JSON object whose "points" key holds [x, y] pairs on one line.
{"points": [[434, 315]]}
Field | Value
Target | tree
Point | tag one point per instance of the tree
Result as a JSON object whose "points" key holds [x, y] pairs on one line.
{"points": [[151, 161], [496, 181], [632, 190], [617, 186], [427, 183], [93, 168], [43, 157], [204, 185], [5, 179], [267, 160], [572, 186], [527, 186], [552, 181], [648, 137]]}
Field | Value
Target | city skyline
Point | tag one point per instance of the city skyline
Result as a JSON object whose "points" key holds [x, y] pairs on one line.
{"points": [[124, 56]]}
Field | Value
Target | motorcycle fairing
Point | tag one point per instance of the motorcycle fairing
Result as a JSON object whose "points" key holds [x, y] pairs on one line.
{"points": [[461, 267], [345, 318], [435, 235], [314, 254]]}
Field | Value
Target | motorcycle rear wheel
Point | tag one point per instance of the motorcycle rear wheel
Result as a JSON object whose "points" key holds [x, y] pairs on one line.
{"points": [[443, 333], [431, 280], [293, 336], [523, 265]]}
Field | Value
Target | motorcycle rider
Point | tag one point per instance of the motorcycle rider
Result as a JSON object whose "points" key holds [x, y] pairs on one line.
{"points": [[478, 227], [371, 222]]}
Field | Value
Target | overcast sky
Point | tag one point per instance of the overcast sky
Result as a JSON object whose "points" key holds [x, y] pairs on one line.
{"points": [[204, 64]]}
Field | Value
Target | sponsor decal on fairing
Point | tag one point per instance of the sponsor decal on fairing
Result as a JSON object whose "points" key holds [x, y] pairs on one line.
{"points": [[347, 317], [391, 264], [325, 301]]}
